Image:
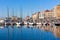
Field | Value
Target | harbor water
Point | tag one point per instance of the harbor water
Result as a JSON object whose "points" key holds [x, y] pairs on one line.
{"points": [[24, 33]]}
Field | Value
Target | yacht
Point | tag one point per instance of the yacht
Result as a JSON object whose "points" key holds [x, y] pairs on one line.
{"points": [[18, 24]]}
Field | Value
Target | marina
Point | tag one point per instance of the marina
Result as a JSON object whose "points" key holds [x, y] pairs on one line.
{"points": [[29, 20]]}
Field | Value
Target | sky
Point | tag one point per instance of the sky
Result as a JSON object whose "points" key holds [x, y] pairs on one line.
{"points": [[28, 6]]}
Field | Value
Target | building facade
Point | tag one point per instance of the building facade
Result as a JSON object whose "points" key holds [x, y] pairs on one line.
{"points": [[48, 14], [57, 11], [35, 17]]}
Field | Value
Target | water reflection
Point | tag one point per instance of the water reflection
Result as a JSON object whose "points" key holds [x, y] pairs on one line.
{"points": [[56, 32], [29, 32]]}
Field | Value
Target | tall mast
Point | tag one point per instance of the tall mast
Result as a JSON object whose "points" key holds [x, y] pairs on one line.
{"points": [[20, 12], [21, 16], [12, 12], [28, 13], [7, 12]]}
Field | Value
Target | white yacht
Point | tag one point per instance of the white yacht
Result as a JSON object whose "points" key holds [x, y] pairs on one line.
{"points": [[18, 24], [30, 23]]}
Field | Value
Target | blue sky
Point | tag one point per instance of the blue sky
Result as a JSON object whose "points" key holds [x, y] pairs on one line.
{"points": [[28, 6]]}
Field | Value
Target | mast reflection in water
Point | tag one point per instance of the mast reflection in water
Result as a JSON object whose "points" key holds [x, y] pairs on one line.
{"points": [[26, 33]]}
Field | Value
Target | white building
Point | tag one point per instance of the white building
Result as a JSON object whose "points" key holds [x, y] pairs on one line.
{"points": [[41, 15]]}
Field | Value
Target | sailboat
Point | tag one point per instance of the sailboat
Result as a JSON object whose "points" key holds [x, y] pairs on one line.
{"points": [[13, 21], [20, 22], [7, 21]]}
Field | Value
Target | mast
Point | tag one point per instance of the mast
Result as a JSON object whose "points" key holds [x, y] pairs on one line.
{"points": [[7, 12], [28, 13], [21, 16], [20, 13], [12, 12]]}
